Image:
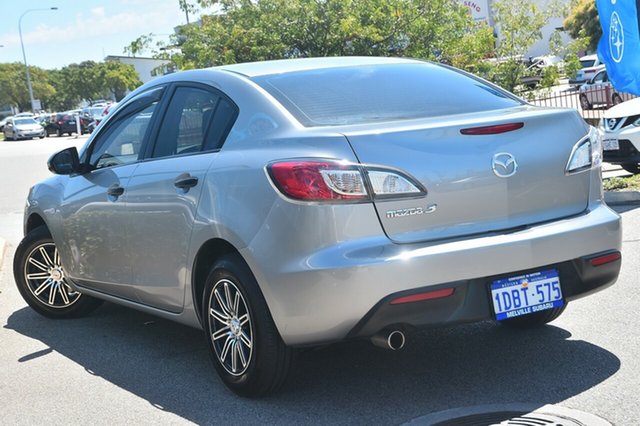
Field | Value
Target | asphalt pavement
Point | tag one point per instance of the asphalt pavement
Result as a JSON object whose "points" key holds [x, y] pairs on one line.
{"points": [[120, 366]]}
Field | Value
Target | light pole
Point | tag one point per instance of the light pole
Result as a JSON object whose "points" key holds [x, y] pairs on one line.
{"points": [[24, 56]]}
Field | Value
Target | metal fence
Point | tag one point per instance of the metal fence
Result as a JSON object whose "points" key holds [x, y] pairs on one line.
{"points": [[592, 103]]}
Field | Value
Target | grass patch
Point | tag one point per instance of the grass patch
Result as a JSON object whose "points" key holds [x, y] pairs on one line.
{"points": [[631, 183]]}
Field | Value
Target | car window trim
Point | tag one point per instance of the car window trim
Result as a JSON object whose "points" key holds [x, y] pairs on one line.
{"points": [[172, 87], [123, 113]]}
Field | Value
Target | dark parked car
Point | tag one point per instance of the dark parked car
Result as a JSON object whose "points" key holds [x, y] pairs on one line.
{"points": [[62, 123]]}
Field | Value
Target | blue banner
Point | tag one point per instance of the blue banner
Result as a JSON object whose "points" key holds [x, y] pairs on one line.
{"points": [[619, 47]]}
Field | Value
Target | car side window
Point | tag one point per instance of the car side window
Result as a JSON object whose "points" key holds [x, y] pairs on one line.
{"points": [[599, 78], [223, 118], [186, 121], [121, 142]]}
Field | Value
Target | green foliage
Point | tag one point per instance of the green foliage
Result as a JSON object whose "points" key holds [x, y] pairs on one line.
{"points": [[139, 45], [118, 78], [245, 31], [572, 61], [520, 23], [583, 22], [550, 77], [13, 85], [614, 183], [65, 88]]}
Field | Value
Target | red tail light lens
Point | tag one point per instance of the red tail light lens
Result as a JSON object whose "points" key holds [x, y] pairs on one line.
{"points": [[318, 181], [607, 258], [429, 295], [492, 130]]}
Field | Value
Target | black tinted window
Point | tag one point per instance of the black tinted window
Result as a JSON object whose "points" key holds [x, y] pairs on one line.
{"points": [[223, 119], [366, 94], [185, 123]]}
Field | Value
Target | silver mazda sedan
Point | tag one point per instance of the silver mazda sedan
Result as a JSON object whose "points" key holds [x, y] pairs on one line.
{"points": [[295, 203]]}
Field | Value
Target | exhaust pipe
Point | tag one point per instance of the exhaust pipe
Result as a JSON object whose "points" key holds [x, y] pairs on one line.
{"points": [[389, 339]]}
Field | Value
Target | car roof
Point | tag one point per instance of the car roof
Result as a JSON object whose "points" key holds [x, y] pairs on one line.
{"points": [[255, 69], [588, 57]]}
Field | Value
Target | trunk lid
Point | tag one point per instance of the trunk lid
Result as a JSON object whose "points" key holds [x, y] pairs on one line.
{"points": [[464, 194]]}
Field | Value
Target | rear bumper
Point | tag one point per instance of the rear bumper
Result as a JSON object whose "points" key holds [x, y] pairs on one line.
{"points": [[337, 291], [471, 301]]}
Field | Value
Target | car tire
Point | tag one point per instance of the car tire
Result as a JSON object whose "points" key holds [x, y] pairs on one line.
{"points": [[245, 345], [535, 319], [616, 99], [584, 103], [41, 280], [632, 168]]}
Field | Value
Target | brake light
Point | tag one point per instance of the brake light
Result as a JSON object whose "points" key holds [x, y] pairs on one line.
{"points": [[318, 181], [331, 180], [492, 130]]}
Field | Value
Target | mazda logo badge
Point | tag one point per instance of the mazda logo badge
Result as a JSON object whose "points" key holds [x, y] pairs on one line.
{"points": [[504, 165]]}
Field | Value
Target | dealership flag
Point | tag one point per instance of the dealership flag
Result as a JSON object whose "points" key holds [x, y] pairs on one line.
{"points": [[619, 47]]}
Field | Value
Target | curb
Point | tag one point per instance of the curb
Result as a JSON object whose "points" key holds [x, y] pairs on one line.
{"points": [[620, 198]]}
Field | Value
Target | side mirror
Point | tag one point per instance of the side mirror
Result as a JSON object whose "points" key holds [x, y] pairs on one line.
{"points": [[65, 162]]}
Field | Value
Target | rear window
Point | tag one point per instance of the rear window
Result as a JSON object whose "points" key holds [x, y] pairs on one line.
{"points": [[587, 63], [375, 93]]}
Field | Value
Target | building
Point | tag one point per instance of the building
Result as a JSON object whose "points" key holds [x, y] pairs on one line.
{"points": [[147, 68], [481, 11]]}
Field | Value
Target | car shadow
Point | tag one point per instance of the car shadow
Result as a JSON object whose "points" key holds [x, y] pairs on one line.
{"points": [[168, 365]]}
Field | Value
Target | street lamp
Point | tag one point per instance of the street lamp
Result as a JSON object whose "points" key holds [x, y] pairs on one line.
{"points": [[24, 56]]}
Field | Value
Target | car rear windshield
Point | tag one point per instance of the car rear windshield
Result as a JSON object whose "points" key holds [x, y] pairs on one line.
{"points": [[375, 93], [587, 63]]}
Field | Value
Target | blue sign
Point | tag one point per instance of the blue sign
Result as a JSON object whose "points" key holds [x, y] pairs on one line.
{"points": [[619, 47]]}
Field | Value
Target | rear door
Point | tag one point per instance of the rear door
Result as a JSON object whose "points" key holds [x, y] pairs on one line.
{"points": [[164, 191], [479, 183]]}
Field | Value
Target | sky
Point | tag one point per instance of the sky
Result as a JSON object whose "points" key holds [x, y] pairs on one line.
{"points": [[83, 29]]}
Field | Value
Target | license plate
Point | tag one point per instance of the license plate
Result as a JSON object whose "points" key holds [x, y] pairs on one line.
{"points": [[72, 122], [526, 294], [610, 145]]}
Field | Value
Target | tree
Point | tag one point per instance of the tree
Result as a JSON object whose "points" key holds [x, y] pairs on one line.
{"points": [[520, 24], [583, 22], [13, 85], [254, 30], [118, 78]]}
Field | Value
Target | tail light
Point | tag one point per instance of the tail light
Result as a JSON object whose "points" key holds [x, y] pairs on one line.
{"points": [[586, 154], [339, 181]]}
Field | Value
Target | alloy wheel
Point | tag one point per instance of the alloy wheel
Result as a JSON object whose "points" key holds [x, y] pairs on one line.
{"points": [[46, 278], [231, 329]]}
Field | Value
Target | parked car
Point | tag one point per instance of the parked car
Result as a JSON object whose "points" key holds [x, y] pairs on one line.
{"points": [[89, 115], [294, 203], [98, 118], [621, 140], [599, 91], [63, 122], [591, 65], [17, 128], [25, 114], [2, 123]]}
